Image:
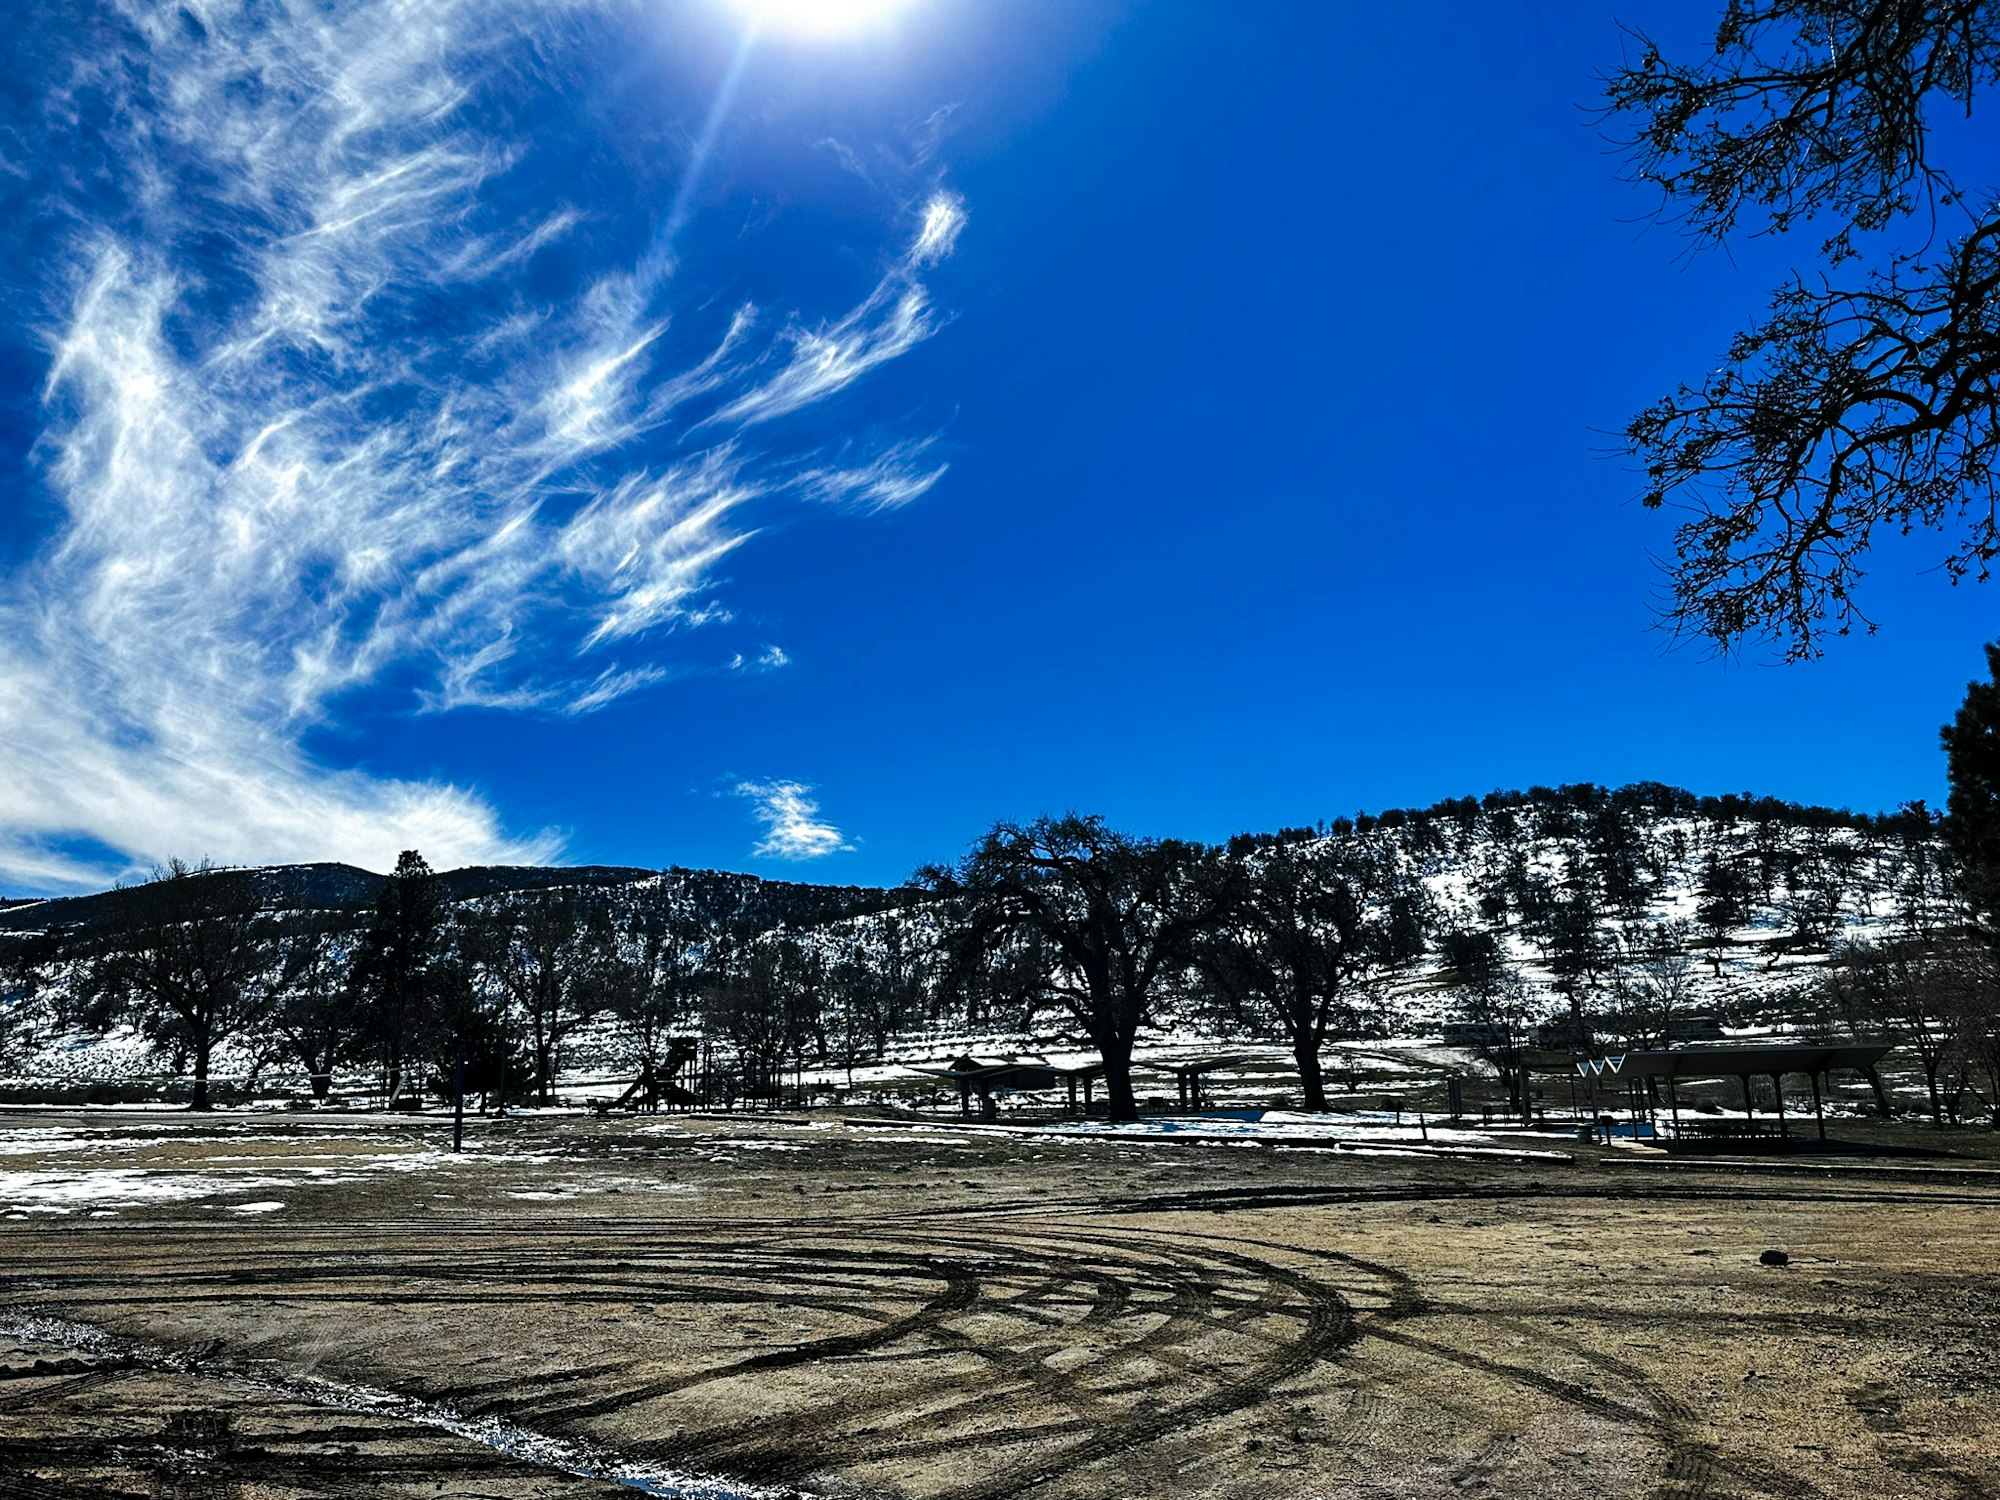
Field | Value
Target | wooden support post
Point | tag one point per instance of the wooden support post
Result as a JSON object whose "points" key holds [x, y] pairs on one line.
{"points": [[1778, 1088], [1819, 1110], [1749, 1104]]}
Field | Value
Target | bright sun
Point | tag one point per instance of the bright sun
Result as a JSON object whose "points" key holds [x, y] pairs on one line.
{"points": [[823, 18]]}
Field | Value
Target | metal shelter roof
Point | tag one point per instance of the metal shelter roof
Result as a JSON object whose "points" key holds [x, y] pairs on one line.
{"points": [[1735, 1062], [1185, 1066], [1009, 1073]]}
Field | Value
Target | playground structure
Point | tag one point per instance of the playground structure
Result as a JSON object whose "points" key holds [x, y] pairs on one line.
{"points": [[691, 1074]]}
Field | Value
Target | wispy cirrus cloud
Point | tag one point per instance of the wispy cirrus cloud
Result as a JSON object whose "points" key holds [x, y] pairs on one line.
{"points": [[793, 828], [881, 479], [309, 433], [769, 659]]}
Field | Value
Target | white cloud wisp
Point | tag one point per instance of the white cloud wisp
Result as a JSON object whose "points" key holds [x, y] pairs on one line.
{"points": [[793, 828], [345, 454]]}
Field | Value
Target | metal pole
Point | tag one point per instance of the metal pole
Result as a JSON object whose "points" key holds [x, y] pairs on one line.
{"points": [[458, 1105], [501, 1053]]}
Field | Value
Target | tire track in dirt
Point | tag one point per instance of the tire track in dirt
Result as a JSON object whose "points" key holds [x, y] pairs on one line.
{"points": [[959, 1295], [1144, 1307], [1692, 1466], [1128, 1302], [1174, 1295]]}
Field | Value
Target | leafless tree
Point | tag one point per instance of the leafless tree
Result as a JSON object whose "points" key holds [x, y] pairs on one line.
{"points": [[318, 1021], [657, 965], [1491, 993], [766, 1005], [1938, 1000], [1654, 980], [191, 958], [546, 952]]}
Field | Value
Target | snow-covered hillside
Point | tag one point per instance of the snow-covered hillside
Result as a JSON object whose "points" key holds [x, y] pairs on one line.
{"points": [[1618, 905]]}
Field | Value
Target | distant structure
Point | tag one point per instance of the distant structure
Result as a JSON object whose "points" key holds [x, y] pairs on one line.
{"points": [[1570, 1033], [1189, 1071], [1772, 1060], [986, 1078]]}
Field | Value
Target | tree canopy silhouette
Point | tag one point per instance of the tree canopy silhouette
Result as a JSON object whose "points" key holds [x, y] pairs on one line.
{"points": [[1118, 915]]}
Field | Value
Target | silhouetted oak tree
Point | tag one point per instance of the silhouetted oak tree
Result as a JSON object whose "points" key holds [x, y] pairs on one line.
{"points": [[316, 1021], [656, 968], [1118, 915], [1293, 939], [549, 955]]}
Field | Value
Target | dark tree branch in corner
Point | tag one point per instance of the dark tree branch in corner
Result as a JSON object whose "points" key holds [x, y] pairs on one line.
{"points": [[1848, 409]]}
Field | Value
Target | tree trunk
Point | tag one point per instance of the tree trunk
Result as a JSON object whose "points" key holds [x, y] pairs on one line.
{"points": [[1881, 1092], [1120, 1106], [1311, 1078], [200, 1100]]}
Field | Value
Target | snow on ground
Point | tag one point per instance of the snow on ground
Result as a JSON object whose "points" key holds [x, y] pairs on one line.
{"points": [[60, 1192], [146, 1161]]}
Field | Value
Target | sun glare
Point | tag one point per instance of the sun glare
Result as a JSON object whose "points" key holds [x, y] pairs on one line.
{"points": [[818, 18]]}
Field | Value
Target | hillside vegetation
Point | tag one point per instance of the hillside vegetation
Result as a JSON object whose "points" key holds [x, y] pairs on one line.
{"points": [[1574, 917]]}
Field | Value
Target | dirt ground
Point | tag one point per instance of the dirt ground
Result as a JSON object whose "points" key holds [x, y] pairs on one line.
{"points": [[270, 1305]]}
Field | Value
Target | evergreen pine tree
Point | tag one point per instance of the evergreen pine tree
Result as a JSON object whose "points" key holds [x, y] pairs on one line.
{"points": [[1972, 811], [394, 970]]}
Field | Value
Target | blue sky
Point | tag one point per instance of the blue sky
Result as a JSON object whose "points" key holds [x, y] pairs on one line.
{"points": [[609, 432]]}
